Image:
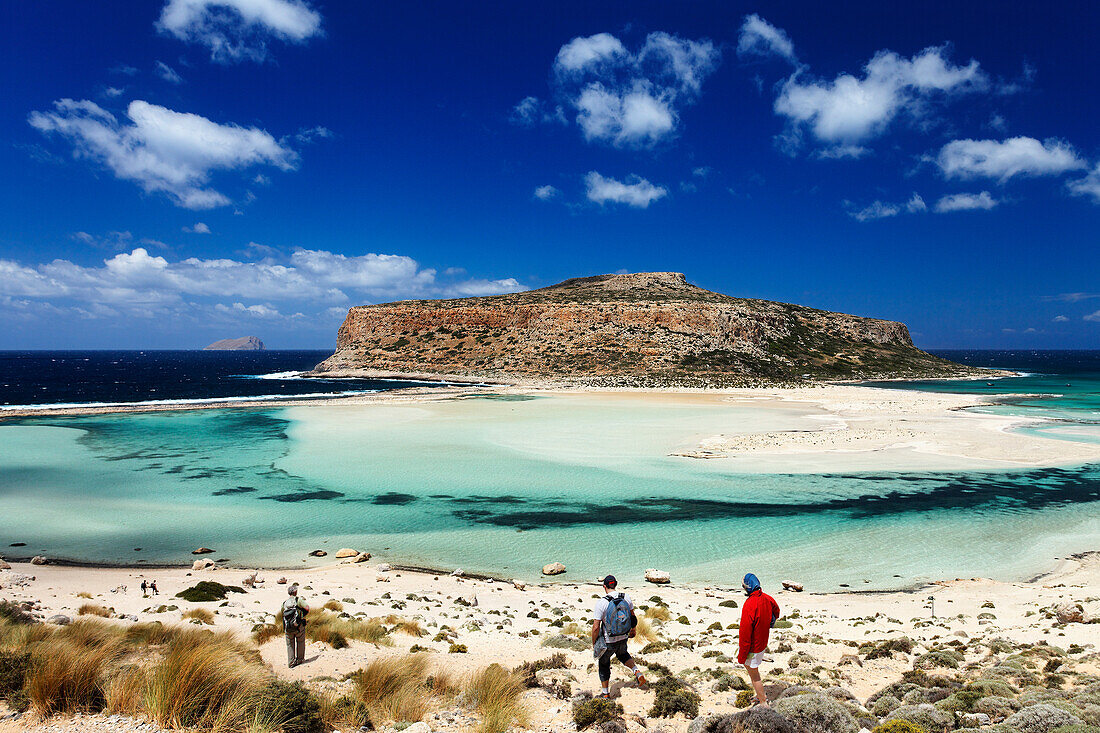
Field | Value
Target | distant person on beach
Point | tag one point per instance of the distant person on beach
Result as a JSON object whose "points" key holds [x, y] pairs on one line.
{"points": [[758, 615], [294, 626], [613, 622], [153, 587], [144, 588]]}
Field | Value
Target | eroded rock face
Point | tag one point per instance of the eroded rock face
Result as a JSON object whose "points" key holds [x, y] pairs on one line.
{"points": [[643, 328]]}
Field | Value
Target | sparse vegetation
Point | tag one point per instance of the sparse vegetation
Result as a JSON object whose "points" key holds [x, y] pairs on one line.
{"points": [[208, 590], [93, 609], [199, 615]]}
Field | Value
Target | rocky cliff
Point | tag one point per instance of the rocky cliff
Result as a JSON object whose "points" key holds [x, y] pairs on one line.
{"points": [[644, 329], [244, 343]]}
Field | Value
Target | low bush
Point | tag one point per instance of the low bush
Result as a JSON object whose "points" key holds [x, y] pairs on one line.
{"points": [[899, 726], [759, 719], [15, 614], [728, 604], [208, 590], [592, 710], [201, 615], [925, 716], [457, 649], [13, 672], [290, 707], [566, 642], [1041, 718], [528, 670], [745, 698], [673, 696], [93, 609], [816, 713]]}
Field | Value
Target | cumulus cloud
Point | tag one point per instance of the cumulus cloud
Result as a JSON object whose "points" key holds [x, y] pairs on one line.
{"points": [[758, 37], [623, 98], [314, 282], [965, 202], [163, 151], [1017, 156], [877, 210], [198, 228], [236, 30], [851, 109], [1088, 186], [915, 204], [545, 193], [635, 191]]}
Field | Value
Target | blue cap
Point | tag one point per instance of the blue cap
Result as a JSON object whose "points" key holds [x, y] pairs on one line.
{"points": [[750, 583]]}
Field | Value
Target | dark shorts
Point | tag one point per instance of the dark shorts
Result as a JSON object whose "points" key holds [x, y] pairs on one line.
{"points": [[614, 649]]}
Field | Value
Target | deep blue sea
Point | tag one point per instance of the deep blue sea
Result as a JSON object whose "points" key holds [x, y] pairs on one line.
{"points": [[111, 377]]}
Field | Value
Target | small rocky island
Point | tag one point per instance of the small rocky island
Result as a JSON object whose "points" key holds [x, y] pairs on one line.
{"points": [[244, 343], [650, 329]]}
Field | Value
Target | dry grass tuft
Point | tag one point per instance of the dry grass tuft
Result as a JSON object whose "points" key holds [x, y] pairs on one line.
{"points": [[411, 627], [333, 605], [93, 609], [395, 689], [658, 613], [202, 615], [496, 694], [65, 673], [645, 631], [263, 633], [125, 690], [83, 594]]}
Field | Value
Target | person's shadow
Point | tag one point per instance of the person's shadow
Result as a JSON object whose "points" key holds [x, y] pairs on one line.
{"points": [[616, 688]]}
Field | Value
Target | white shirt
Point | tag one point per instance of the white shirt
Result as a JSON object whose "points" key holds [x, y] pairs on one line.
{"points": [[600, 608]]}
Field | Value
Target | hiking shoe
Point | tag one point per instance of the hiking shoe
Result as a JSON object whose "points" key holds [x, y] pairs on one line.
{"points": [[640, 679], [604, 696]]}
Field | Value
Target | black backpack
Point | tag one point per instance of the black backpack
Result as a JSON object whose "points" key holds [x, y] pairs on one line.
{"points": [[293, 617]]}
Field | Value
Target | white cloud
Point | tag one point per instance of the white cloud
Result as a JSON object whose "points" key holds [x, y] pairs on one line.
{"points": [[166, 72], [701, 172], [1088, 186], [545, 193], [877, 210], [635, 191], [1059, 319], [1094, 316], [199, 228], [113, 92], [915, 204], [236, 30], [852, 109], [137, 283], [965, 202], [622, 98], [161, 150], [761, 38], [1024, 156], [839, 152], [1071, 297]]}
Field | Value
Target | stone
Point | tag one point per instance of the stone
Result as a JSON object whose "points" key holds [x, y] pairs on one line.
{"points": [[361, 557], [457, 573], [660, 577], [202, 551], [59, 619], [318, 553], [518, 584], [382, 578], [383, 567], [699, 724], [791, 585], [4, 565], [281, 581], [554, 568], [849, 659], [346, 552], [206, 564], [38, 560], [419, 727], [1067, 613]]}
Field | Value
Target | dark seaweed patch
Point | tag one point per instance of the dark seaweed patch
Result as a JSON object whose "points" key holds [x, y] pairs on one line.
{"points": [[319, 494], [234, 490], [393, 498], [1004, 492], [504, 499]]}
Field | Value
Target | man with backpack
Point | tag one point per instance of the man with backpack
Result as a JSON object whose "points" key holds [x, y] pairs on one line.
{"points": [[613, 622], [293, 613], [758, 616]]}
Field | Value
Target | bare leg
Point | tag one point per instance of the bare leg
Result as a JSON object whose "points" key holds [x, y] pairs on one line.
{"points": [[757, 684]]}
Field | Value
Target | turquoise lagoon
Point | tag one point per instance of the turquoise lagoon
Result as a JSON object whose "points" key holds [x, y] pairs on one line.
{"points": [[503, 485]]}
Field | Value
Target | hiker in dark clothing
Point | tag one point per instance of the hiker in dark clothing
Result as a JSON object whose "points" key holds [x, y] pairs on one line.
{"points": [[153, 587], [144, 588], [293, 613], [613, 622]]}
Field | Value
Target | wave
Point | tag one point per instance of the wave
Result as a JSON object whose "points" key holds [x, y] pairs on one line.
{"points": [[273, 375], [189, 401]]}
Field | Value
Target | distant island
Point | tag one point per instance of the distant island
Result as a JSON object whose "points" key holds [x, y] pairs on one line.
{"points": [[650, 329], [244, 343]]}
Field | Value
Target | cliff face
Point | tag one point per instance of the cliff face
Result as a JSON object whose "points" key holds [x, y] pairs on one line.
{"points": [[635, 329]]}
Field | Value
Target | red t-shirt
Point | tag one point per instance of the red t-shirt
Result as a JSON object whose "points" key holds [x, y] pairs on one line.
{"points": [[757, 615]]}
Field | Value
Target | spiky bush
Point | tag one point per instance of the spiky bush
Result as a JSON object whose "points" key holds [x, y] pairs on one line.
{"points": [[885, 705], [996, 707], [590, 710], [1041, 718], [926, 716], [816, 713]]}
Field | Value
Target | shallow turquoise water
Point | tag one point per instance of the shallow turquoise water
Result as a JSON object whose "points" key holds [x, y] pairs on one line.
{"points": [[506, 485]]}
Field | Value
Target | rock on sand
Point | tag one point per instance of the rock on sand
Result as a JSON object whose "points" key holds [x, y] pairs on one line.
{"points": [[346, 552], [554, 568], [660, 577]]}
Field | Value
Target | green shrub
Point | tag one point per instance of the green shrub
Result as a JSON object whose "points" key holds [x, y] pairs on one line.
{"points": [[528, 670], [208, 590], [566, 642], [13, 671], [885, 705], [898, 726], [816, 713], [457, 649], [1041, 718], [759, 719], [925, 716], [996, 707], [728, 604], [729, 682], [654, 647], [290, 706], [939, 658], [595, 710], [672, 696], [745, 698], [1077, 729]]}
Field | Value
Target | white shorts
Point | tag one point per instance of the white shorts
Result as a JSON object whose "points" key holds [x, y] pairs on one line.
{"points": [[754, 660]]}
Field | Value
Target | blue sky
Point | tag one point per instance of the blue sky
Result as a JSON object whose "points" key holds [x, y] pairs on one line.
{"points": [[185, 170]]}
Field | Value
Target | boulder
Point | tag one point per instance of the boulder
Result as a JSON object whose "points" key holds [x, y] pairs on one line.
{"points": [[383, 567], [419, 727], [457, 573], [346, 552], [281, 581], [4, 565], [318, 553], [791, 585], [206, 564], [518, 584], [361, 557], [59, 620], [850, 659], [660, 577], [382, 578], [202, 551], [1067, 613], [554, 568], [38, 560]]}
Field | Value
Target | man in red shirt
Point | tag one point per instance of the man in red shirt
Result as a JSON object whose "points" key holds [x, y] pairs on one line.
{"points": [[758, 615]]}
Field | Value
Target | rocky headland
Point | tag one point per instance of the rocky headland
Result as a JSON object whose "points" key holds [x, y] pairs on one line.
{"points": [[650, 329], [244, 343]]}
